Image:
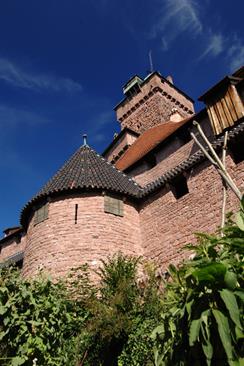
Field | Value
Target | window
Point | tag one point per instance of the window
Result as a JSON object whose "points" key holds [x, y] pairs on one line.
{"points": [[41, 214], [179, 186], [114, 206], [236, 149], [151, 161]]}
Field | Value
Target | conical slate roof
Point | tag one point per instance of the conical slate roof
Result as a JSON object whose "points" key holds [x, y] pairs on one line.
{"points": [[85, 170]]}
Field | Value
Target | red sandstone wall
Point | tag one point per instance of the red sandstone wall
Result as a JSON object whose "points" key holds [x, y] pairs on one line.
{"points": [[126, 140], [12, 247], [152, 105], [155, 110], [58, 244], [168, 224], [169, 156], [165, 163]]}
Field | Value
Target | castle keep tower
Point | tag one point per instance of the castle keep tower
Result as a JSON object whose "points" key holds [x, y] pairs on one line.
{"points": [[150, 102]]}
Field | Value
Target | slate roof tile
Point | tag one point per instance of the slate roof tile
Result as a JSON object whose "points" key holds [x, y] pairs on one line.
{"points": [[85, 170]]}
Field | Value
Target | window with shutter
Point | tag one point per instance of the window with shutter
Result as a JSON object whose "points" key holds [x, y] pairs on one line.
{"points": [[114, 206], [41, 214]]}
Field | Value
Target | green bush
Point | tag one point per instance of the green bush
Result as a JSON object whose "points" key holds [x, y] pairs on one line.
{"points": [[202, 317], [195, 318], [37, 320], [76, 322]]}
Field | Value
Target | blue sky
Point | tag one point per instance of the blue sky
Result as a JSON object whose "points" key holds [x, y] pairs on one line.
{"points": [[63, 64]]}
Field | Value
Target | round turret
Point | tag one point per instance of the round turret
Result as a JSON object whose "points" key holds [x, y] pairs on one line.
{"points": [[85, 213]]}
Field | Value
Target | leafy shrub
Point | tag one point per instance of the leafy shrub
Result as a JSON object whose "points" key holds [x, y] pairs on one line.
{"points": [[37, 320], [202, 317]]}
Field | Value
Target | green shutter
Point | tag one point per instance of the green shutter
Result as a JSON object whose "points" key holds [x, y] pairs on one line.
{"points": [[114, 206], [41, 214]]}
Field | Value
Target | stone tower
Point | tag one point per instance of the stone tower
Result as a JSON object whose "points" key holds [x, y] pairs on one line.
{"points": [[150, 102], [86, 212]]}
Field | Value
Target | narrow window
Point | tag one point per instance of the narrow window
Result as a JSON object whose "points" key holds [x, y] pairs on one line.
{"points": [[236, 149], [76, 213], [114, 206], [151, 161], [41, 214], [179, 186]]}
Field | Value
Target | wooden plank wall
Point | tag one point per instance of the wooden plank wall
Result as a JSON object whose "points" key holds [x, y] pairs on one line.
{"points": [[225, 109]]}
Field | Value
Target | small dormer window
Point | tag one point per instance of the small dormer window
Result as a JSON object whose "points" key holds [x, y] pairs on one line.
{"points": [[179, 186], [41, 214], [113, 205]]}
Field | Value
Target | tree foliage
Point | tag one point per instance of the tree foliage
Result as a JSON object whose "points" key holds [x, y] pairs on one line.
{"points": [[202, 317], [131, 317]]}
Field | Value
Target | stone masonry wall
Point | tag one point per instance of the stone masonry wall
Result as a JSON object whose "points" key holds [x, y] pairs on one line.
{"points": [[58, 244], [171, 161], [152, 105], [123, 143], [168, 224], [169, 156], [11, 247]]}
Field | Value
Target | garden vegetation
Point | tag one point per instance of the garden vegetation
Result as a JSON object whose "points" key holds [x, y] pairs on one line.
{"points": [[133, 317]]}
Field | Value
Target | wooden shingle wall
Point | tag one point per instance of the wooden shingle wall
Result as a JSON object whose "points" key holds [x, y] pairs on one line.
{"points": [[224, 109]]}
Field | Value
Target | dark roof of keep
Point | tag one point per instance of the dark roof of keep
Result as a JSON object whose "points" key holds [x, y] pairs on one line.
{"points": [[85, 170]]}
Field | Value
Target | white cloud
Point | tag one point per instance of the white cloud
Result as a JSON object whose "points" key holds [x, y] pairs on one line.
{"points": [[16, 76], [231, 47], [235, 53], [175, 17], [215, 45]]}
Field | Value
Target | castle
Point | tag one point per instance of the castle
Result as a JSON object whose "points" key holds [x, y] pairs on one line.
{"points": [[147, 194]]}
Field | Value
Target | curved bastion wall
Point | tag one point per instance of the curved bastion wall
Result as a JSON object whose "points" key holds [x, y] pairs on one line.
{"points": [[78, 231]]}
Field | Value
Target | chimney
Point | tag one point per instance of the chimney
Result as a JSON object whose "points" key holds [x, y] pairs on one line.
{"points": [[170, 79], [175, 115]]}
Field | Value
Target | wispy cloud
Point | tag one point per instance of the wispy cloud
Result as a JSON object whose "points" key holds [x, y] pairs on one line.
{"points": [[230, 47], [235, 53], [174, 18], [178, 17], [215, 44], [16, 76]]}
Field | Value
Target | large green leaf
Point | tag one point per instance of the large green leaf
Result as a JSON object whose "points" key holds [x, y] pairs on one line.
{"points": [[240, 294], [231, 304], [3, 309], [158, 332], [240, 220], [17, 361], [224, 333], [206, 343], [230, 280], [210, 273], [194, 331]]}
